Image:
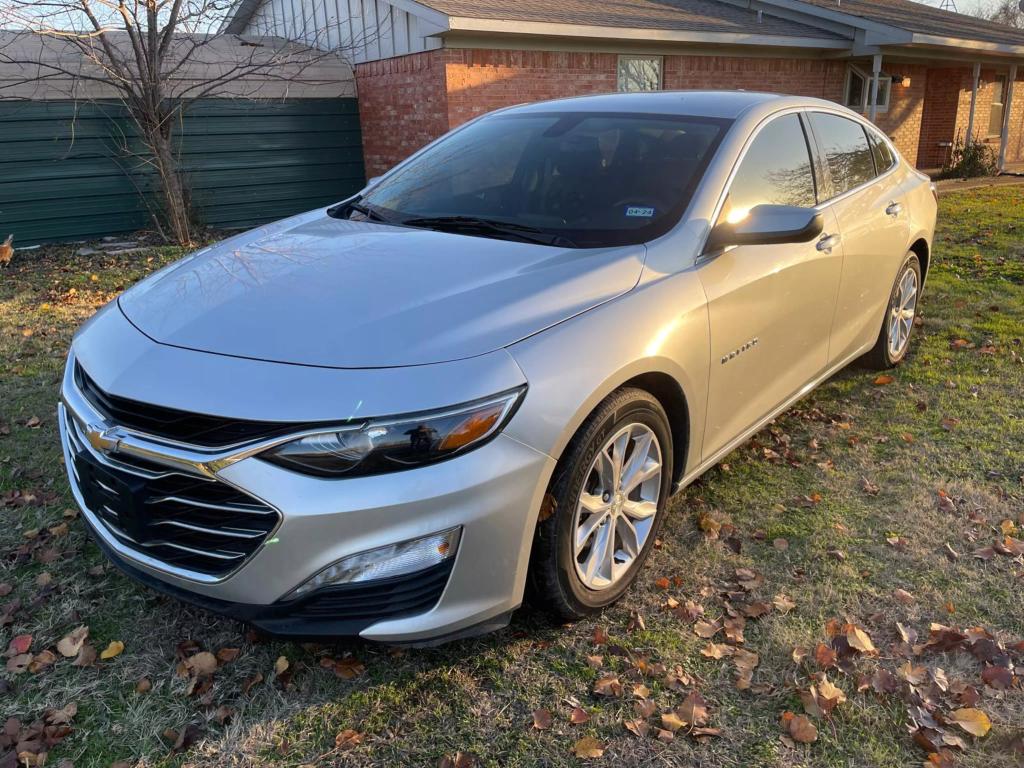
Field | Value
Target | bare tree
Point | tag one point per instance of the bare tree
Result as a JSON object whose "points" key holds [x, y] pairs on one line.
{"points": [[1007, 12], [154, 58]]}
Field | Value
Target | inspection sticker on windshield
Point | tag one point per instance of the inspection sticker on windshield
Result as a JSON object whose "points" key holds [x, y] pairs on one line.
{"points": [[636, 210]]}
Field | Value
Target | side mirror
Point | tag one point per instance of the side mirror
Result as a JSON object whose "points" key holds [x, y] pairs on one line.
{"points": [[768, 225]]}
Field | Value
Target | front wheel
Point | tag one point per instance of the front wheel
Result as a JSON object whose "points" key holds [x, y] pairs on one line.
{"points": [[609, 494], [898, 323]]}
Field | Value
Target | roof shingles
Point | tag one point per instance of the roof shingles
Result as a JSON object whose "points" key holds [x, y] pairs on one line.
{"points": [[682, 15], [925, 19]]}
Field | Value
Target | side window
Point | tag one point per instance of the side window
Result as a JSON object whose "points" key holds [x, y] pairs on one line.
{"points": [[884, 158], [775, 170], [849, 158]]}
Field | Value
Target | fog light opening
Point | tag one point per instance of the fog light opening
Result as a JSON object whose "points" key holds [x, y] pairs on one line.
{"points": [[385, 562]]}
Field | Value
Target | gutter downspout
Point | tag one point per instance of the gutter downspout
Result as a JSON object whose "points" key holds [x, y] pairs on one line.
{"points": [[1004, 139], [876, 73]]}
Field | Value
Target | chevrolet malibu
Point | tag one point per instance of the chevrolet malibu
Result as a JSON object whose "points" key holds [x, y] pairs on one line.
{"points": [[483, 377]]}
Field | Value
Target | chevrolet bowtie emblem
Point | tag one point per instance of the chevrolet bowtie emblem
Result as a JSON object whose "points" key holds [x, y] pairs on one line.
{"points": [[102, 439]]}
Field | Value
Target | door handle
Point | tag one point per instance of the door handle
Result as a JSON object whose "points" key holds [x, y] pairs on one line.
{"points": [[893, 209], [827, 243]]}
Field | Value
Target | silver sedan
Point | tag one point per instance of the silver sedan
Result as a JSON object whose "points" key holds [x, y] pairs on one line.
{"points": [[483, 377]]}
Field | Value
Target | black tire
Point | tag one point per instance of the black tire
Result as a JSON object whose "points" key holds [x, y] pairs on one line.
{"points": [[880, 357], [553, 583]]}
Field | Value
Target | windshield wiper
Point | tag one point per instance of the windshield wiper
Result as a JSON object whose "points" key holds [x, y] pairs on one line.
{"points": [[487, 226], [343, 211]]}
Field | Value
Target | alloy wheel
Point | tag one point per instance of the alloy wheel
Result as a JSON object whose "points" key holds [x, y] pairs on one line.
{"points": [[617, 505], [901, 313]]}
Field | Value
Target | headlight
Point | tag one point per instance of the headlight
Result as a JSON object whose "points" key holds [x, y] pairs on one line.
{"points": [[389, 445]]}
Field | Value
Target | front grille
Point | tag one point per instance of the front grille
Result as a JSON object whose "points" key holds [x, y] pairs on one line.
{"points": [[189, 522], [182, 426]]}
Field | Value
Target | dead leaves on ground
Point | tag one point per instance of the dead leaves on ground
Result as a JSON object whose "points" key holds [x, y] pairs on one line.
{"points": [[940, 710], [20, 658], [28, 745]]}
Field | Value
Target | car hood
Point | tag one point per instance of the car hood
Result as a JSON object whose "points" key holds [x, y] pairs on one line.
{"points": [[314, 290]]}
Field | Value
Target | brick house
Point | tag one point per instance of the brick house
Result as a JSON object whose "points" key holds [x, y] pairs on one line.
{"points": [[927, 77]]}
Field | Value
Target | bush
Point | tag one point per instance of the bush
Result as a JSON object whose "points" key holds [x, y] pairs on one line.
{"points": [[969, 160]]}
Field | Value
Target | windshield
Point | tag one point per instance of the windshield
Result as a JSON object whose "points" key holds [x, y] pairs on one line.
{"points": [[575, 179]]}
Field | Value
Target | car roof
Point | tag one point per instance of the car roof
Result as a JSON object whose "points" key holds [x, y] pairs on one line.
{"points": [[719, 104]]}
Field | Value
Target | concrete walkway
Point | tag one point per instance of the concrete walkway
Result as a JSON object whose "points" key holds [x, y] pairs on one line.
{"points": [[945, 186]]}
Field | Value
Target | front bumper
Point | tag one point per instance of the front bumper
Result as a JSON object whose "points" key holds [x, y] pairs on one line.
{"points": [[493, 493]]}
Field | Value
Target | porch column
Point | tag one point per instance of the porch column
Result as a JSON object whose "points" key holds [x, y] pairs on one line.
{"points": [[876, 72], [974, 103], [1005, 137]]}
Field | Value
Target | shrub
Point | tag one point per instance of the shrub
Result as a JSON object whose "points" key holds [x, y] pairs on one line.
{"points": [[969, 160]]}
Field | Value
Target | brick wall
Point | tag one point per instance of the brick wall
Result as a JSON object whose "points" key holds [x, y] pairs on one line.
{"points": [[480, 80], [407, 101], [943, 104], [902, 120], [402, 106], [800, 77]]}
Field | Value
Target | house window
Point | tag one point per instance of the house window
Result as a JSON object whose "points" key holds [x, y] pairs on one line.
{"points": [[995, 118], [858, 90], [639, 73]]}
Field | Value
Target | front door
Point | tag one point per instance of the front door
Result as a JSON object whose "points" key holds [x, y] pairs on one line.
{"points": [[770, 306]]}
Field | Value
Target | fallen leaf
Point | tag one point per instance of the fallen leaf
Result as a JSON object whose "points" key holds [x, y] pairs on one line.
{"points": [[884, 379], [71, 644], [588, 747], [902, 596], [783, 604], [972, 720], [608, 685], [706, 629], [672, 721], [202, 663], [86, 657], [18, 664], [281, 665], [548, 505], [114, 649], [717, 650], [541, 719], [348, 739], [694, 709], [800, 728], [578, 716], [19, 644], [637, 726], [144, 685], [858, 638]]}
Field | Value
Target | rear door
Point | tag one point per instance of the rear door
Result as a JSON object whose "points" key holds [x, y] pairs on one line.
{"points": [[866, 196], [770, 306]]}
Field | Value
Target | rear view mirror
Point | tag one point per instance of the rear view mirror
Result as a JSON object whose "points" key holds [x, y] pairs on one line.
{"points": [[768, 225]]}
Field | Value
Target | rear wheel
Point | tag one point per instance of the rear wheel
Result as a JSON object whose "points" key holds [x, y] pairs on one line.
{"points": [[609, 491], [898, 323]]}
